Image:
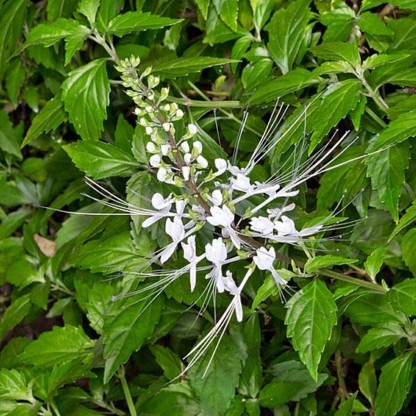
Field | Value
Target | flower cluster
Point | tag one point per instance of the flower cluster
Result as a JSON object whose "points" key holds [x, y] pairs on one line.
{"points": [[247, 220]]}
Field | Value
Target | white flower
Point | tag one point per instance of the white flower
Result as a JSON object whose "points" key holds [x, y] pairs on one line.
{"points": [[192, 129], [264, 261], [216, 197], [189, 253], [221, 165], [162, 205], [185, 172], [216, 253], [202, 162], [286, 227], [223, 217], [262, 225], [176, 230], [241, 183], [154, 161], [185, 147], [275, 213]]}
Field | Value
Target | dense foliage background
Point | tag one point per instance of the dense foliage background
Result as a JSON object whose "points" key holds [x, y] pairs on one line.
{"points": [[73, 341]]}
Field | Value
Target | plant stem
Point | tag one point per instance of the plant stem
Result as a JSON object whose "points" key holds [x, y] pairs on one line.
{"points": [[122, 377], [342, 387]]}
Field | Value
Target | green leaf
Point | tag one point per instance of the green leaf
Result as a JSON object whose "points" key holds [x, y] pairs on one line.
{"points": [[11, 25], [408, 218], [335, 102], [287, 30], [311, 315], [377, 338], [261, 12], [339, 51], [53, 347], [75, 41], [100, 160], [321, 262], [50, 117], [374, 262], [228, 11], [266, 290], [15, 77], [137, 21], [14, 314], [60, 8], [292, 382], [408, 245], [184, 66], [89, 9], [395, 381], [203, 6], [403, 296], [256, 73], [13, 386], [167, 360], [133, 322], [85, 94], [398, 130], [367, 381], [387, 172], [215, 375], [9, 141], [346, 408], [293, 81]]}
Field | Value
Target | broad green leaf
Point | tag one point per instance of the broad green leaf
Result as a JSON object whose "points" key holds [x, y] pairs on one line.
{"points": [[408, 218], [336, 102], [60, 8], [404, 33], [321, 262], [167, 360], [215, 375], [397, 131], [11, 25], [372, 24], [377, 60], [137, 21], [9, 141], [15, 77], [50, 117], [14, 314], [100, 160], [311, 315], [384, 336], [203, 6], [14, 386], [47, 34], [75, 41], [85, 94], [184, 66], [367, 381], [261, 12], [339, 51], [133, 321], [89, 9], [53, 347], [387, 172], [292, 382], [266, 290], [374, 262], [13, 221], [287, 30], [403, 296], [228, 11], [256, 73], [408, 250], [293, 81], [394, 385]]}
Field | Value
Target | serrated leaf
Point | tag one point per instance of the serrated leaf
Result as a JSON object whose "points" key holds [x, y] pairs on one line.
{"points": [[398, 130], [267, 289], [385, 336], [336, 102], [14, 386], [339, 51], [367, 381], [85, 94], [408, 250], [133, 321], [311, 315], [75, 41], [60, 8], [287, 30], [403, 296], [9, 141], [394, 385], [214, 382], [374, 262], [293, 81], [100, 160], [15, 313], [292, 382], [137, 21], [408, 218], [89, 9], [52, 347], [387, 172], [50, 117], [184, 66], [228, 11], [321, 262]]}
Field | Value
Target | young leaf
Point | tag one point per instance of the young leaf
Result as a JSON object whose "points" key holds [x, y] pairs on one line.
{"points": [[403, 296], [408, 218], [89, 9], [214, 376], [14, 386], [367, 381], [311, 315], [261, 12], [53, 347], [384, 336], [387, 173], [228, 11], [132, 322], [85, 94], [321, 262], [50, 117], [100, 160], [374, 262], [287, 30], [394, 385], [137, 21], [15, 313], [203, 6]]}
